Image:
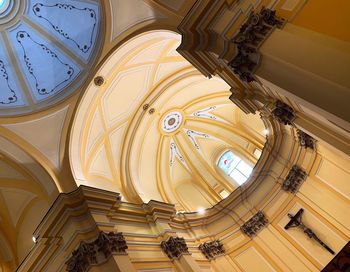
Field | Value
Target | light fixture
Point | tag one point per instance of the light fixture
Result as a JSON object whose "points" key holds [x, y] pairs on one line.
{"points": [[201, 211], [266, 132], [34, 239]]}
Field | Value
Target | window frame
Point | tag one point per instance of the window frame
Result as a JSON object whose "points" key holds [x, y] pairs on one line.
{"points": [[241, 159]]}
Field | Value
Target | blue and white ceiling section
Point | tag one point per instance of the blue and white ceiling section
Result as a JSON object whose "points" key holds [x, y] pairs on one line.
{"points": [[46, 50]]}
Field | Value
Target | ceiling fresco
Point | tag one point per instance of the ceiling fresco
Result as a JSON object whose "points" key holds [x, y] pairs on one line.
{"points": [[45, 50]]}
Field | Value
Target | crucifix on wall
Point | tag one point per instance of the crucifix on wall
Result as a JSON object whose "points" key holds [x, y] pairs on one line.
{"points": [[295, 222]]}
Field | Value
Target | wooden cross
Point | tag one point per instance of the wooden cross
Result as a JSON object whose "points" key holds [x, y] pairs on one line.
{"points": [[295, 222]]}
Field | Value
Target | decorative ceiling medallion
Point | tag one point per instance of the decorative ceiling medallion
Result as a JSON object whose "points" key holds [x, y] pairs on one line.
{"points": [[171, 122], [43, 59]]}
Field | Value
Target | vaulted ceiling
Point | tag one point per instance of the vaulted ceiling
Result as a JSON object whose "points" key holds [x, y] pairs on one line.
{"points": [[38, 47], [43, 59], [156, 128]]}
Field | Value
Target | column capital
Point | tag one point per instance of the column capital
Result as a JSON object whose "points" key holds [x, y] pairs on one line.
{"points": [[294, 179], [283, 113], [212, 249], [255, 224], [175, 247], [96, 252], [305, 140]]}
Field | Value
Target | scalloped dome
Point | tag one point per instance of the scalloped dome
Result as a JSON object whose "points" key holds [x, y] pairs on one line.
{"points": [[45, 50]]}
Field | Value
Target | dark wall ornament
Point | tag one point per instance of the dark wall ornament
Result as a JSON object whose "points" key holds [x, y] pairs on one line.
{"points": [[294, 179], [212, 249], [296, 222], [99, 80], [110, 243], [305, 140], [250, 37], [96, 252], [174, 247], [255, 224], [283, 113]]}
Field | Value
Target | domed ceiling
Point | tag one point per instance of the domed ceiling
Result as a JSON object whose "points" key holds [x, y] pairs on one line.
{"points": [[45, 49], [157, 128]]}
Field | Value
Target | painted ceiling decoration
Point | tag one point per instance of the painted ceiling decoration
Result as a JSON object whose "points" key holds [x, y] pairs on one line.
{"points": [[43, 58], [206, 113], [175, 154], [169, 149]]}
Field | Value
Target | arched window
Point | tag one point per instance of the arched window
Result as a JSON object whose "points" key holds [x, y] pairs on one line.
{"points": [[235, 167]]}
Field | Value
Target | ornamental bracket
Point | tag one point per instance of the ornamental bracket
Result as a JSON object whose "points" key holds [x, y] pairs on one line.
{"points": [[283, 113], [212, 249], [255, 224], [294, 179], [250, 37], [96, 252], [175, 247], [305, 140]]}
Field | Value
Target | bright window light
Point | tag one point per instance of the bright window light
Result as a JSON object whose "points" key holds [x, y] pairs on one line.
{"points": [[224, 194], [257, 153], [235, 167], [201, 211]]}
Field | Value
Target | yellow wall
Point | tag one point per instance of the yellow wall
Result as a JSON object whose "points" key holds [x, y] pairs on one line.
{"points": [[327, 17]]}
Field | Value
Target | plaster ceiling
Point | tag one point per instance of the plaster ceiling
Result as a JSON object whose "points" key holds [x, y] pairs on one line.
{"points": [[26, 192], [43, 58], [157, 127]]}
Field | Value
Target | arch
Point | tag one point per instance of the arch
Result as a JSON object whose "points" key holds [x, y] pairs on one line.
{"points": [[26, 193], [154, 122]]}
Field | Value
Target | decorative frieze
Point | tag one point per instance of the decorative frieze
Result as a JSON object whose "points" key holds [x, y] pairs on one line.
{"points": [[294, 179], [255, 224], [249, 38], [283, 113], [174, 247], [212, 249], [96, 252], [305, 140]]}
